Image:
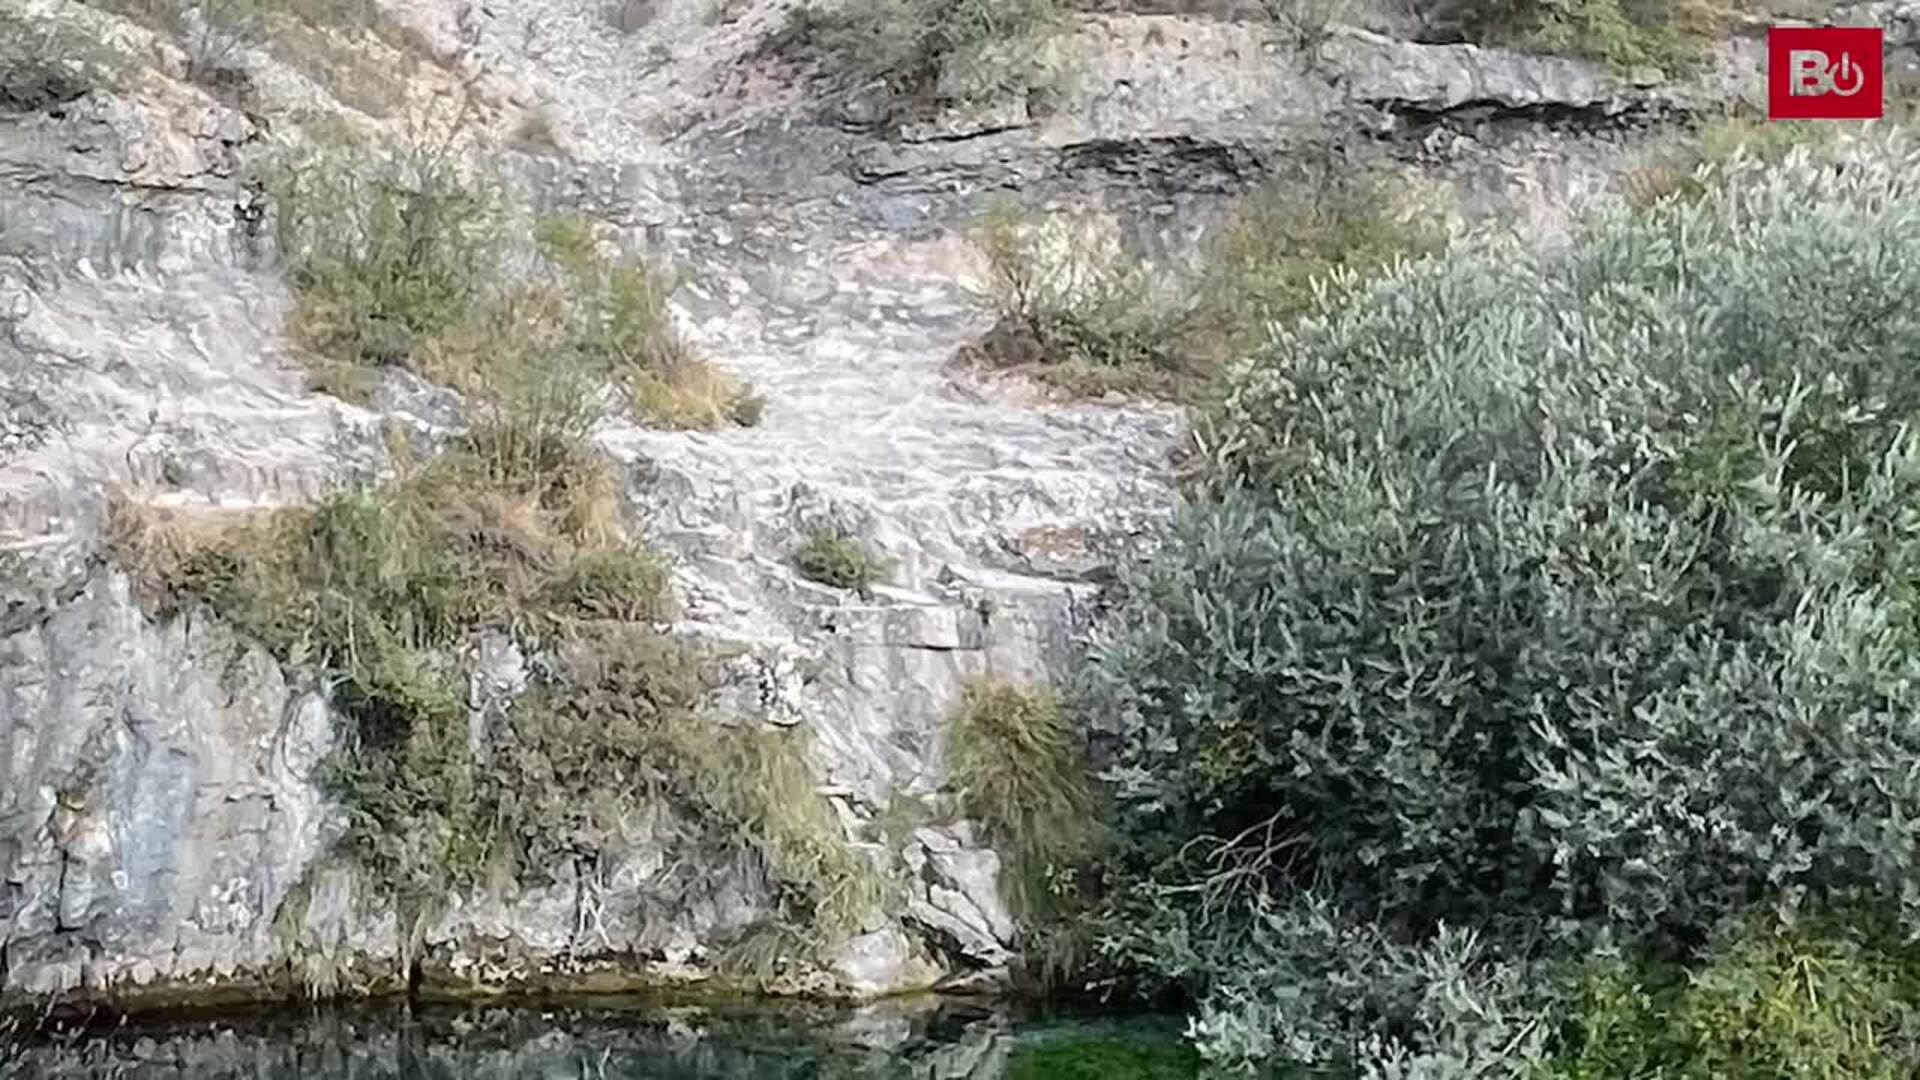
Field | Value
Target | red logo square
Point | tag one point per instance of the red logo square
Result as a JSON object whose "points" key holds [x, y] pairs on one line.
{"points": [[1824, 73]]}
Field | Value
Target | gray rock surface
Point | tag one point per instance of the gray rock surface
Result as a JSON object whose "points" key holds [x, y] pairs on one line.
{"points": [[956, 895], [157, 803]]}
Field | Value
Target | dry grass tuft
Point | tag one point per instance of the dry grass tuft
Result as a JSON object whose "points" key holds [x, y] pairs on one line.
{"points": [[396, 259], [1081, 314]]}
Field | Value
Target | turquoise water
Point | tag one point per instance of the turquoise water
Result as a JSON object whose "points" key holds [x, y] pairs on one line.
{"points": [[605, 1041]]}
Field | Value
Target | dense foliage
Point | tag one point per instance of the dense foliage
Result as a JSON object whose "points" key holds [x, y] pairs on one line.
{"points": [[1532, 598], [1765, 1002]]}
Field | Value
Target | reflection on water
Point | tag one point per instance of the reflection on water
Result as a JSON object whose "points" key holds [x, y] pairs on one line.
{"points": [[597, 1041]]}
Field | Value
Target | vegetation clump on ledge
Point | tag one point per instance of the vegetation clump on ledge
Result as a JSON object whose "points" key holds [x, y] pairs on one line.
{"points": [[835, 558], [1017, 767], [929, 51], [1090, 319], [406, 258], [1019, 771], [385, 591]]}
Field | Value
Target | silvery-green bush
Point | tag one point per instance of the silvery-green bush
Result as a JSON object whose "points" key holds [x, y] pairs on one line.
{"points": [[1549, 589]]}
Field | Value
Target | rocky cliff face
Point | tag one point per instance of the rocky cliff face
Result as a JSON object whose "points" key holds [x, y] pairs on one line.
{"points": [[162, 835]]}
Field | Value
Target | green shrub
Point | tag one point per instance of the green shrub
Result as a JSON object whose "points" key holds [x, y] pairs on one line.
{"points": [[1766, 1002], [969, 50], [373, 590], [385, 251], [1083, 316], [1021, 771], [1667, 34], [1548, 590], [1296, 983], [760, 780], [547, 787], [834, 557], [752, 782]]}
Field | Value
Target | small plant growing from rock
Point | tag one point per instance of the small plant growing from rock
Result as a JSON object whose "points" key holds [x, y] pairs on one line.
{"points": [[627, 583], [536, 134], [747, 408], [834, 557], [1307, 24], [658, 56]]}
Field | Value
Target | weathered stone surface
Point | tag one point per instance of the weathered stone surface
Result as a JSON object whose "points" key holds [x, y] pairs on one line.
{"points": [[1398, 75], [156, 800], [955, 894]]}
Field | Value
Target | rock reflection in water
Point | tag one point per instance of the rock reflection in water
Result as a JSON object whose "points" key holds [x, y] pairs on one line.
{"points": [[579, 1042]]}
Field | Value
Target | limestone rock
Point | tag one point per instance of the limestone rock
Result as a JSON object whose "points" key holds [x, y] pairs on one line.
{"points": [[885, 961], [956, 895]]}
